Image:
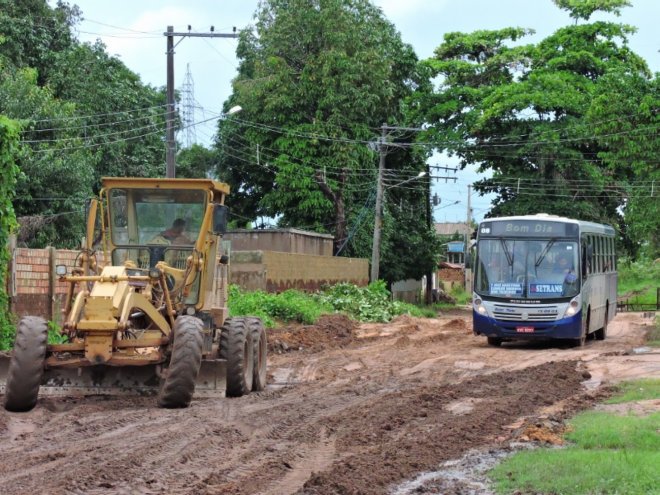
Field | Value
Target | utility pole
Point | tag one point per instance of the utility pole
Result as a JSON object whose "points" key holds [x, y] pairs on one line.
{"points": [[170, 170], [378, 222], [170, 142], [467, 239], [429, 220]]}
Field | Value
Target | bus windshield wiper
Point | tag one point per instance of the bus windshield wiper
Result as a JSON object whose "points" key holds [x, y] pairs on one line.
{"points": [[544, 252], [509, 259]]}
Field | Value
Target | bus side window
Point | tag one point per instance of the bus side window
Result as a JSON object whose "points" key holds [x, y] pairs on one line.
{"points": [[587, 256]]}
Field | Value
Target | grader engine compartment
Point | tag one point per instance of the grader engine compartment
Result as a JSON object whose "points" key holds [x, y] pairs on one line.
{"points": [[146, 308]]}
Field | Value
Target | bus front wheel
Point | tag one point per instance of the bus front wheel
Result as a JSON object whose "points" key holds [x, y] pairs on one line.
{"points": [[602, 333], [494, 341], [582, 340]]}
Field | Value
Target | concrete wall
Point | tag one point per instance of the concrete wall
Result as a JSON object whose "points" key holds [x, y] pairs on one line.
{"points": [[275, 271], [408, 290], [282, 240]]}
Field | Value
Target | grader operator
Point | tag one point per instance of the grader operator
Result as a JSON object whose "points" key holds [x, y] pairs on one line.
{"points": [[146, 307]]}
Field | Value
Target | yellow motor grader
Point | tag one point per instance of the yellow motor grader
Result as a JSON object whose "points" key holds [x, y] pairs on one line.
{"points": [[146, 307]]}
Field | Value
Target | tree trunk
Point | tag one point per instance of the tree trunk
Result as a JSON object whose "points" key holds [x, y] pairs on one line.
{"points": [[337, 199]]}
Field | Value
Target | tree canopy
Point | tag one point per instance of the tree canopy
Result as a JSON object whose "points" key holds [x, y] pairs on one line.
{"points": [[83, 115], [316, 80], [556, 123]]}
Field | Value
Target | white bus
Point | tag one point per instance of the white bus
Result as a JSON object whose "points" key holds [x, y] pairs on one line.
{"points": [[543, 277]]}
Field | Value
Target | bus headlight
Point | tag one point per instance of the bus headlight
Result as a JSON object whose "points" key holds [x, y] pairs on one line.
{"points": [[573, 307], [477, 304]]}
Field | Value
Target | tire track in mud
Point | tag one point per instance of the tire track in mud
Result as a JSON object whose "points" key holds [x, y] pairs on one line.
{"points": [[358, 416]]}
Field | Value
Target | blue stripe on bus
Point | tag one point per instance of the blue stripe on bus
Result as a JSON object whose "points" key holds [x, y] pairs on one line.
{"points": [[566, 328]]}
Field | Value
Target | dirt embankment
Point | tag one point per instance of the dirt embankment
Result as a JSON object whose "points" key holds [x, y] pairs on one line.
{"points": [[350, 409]]}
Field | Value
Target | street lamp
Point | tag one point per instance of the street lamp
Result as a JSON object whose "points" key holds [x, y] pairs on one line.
{"points": [[233, 110], [419, 175]]}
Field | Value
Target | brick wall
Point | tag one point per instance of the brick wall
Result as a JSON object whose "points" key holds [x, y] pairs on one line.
{"points": [[32, 285], [35, 290]]}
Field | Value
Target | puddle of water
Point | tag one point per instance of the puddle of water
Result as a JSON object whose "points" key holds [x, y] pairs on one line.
{"points": [[463, 406], [354, 366], [469, 365], [465, 475]]}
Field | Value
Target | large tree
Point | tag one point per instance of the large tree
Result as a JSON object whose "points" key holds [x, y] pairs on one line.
{"points": [[83, 115], [316, 80], [526, 113], [8, 172]]}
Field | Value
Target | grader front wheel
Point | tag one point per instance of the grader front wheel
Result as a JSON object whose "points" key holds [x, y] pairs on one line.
{"points": [[27, 364], [179, 385], [236, 346]]}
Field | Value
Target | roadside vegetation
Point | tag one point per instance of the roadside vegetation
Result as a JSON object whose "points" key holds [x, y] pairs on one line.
{"points": [[639, 280], [372, 303], [608, 453]]}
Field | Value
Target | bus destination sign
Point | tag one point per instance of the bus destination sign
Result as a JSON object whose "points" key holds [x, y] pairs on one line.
{"points": [[528, 228]]}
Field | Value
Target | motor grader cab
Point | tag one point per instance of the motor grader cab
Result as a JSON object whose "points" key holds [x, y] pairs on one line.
{"points": [[146, 307]]}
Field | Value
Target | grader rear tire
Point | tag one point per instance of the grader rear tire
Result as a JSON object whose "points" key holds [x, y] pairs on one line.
{"points": [[237, 348], [260, 342], [27, 364], [179, 386]]}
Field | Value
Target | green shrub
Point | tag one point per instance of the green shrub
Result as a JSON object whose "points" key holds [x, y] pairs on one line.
{"points": [[291, 305], [371, 303], [461, 295], [54, 334]]}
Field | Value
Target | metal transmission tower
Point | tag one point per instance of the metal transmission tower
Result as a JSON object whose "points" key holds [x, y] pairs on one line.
{"points": [[188, 110], [170, 148]]}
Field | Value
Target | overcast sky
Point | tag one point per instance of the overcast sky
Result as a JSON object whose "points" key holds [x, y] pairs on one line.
{"points": [[133, 31]]}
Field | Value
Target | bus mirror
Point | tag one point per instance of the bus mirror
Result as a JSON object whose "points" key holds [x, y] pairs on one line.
{"points": [[220, 214], [468, 260]]}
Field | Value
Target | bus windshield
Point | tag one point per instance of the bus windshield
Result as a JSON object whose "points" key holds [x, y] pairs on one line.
{"points": [[527, 268]]}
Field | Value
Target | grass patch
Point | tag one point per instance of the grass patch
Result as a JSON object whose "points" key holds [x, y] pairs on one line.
{"points": [[634, 390], [461, 295], [639, 277], [596, 430], [576, 471], [609, 454]]}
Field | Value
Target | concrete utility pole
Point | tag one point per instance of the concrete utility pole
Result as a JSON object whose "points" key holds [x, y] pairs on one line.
{"points": [[170, 145], [170, 142], [378, 222], [467, 239]]}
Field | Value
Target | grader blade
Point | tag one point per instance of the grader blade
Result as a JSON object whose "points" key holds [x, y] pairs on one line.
{"points": [[119, 380]]}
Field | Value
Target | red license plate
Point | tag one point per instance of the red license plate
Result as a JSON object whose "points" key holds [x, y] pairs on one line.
{"points": [[525, 329]]}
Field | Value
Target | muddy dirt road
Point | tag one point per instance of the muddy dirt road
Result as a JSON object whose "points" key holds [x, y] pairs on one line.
{"points": [[349, 410]]}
